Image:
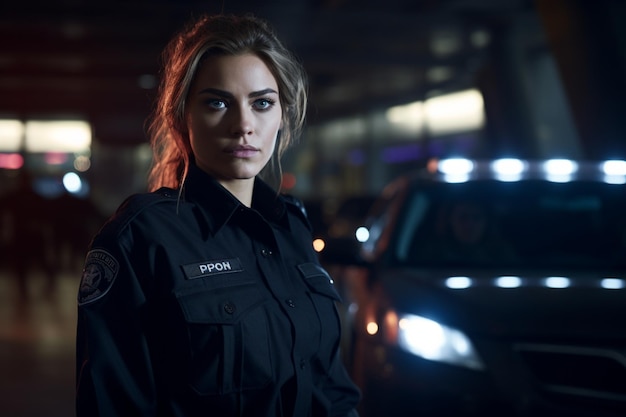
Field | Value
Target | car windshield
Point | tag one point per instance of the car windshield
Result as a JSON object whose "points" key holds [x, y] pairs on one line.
{"points": [[525, 224]]}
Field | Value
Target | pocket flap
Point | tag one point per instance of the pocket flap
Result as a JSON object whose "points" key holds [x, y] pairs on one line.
{"points": [[318, 280], [225, 305]]}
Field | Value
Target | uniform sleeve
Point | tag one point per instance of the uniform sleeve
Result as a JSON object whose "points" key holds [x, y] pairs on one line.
{"points": [[113, 365]]}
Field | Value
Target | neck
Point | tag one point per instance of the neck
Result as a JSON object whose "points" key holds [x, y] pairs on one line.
{"points": [[241, 189]]}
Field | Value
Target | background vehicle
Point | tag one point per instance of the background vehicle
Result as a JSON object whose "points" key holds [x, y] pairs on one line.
{"points": [[522, 314], [342, 221]]}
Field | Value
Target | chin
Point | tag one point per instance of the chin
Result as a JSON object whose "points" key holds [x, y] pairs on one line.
{"points": [[245, 175]]}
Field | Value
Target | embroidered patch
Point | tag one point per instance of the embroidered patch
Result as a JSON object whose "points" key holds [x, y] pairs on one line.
{"points": [[203, 269], [100, 271]]}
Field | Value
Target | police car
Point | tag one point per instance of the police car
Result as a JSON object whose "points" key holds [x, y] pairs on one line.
{"points": [[491, 288]]}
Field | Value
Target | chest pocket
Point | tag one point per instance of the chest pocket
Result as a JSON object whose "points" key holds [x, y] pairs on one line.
{"points": [[228, 337], [323, 294], [318, 280]]}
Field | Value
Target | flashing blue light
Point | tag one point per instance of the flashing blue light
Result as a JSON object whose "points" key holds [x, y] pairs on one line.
{"points": [[557, 282], [508, 282], [615, 179], [508, 166], [612, 283], [560, 168], [614, 168], [458, 178], [508, 169], [455, 167], [458, 283]]}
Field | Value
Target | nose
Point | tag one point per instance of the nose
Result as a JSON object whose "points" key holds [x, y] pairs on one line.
{"points": [[242, 122]]}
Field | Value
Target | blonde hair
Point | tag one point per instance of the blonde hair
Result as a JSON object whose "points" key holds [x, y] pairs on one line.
{"points": [[210, 36]]}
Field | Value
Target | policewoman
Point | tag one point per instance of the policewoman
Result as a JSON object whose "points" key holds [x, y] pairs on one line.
{"points": [[204, 297]]}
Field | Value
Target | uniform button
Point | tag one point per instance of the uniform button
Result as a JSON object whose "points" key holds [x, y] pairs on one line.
{"points": [[302, 364], [290, 302], [266, 252], [229, 308]]}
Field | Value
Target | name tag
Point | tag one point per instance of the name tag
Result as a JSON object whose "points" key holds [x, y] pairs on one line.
{"points": [[209, 268]]}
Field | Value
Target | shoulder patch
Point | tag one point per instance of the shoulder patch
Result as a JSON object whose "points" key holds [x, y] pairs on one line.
{"points": [[100, 271]]}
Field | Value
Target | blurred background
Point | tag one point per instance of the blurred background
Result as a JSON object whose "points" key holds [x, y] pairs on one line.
{"points": [[392, 84]]}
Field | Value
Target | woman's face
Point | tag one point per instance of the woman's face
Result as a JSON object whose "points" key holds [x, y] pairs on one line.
{"points": [[233, 116]]}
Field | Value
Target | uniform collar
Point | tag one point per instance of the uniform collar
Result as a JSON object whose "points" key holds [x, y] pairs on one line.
{"points": [[218, 205]]}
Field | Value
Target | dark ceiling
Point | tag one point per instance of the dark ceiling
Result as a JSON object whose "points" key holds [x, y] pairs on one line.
{"points": [[97, 59]]}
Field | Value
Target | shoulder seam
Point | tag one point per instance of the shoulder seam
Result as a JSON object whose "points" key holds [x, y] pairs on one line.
{"points": [[137, 203], [298, 206]]}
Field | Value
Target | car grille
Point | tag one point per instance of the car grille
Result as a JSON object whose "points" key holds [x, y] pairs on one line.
{"points": [[588, 377]]}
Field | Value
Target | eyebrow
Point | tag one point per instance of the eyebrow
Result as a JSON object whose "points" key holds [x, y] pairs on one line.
{"points": [[226, 94]]}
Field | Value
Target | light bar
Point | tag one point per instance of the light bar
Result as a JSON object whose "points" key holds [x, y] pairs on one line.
{"points": [[455, 166], [560, 167], [458, 283], [508, 166], [614, 167], [11, 134]]}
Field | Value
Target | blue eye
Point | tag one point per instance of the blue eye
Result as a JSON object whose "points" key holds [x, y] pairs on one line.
{"points": [[216, 104], [263, 104]]}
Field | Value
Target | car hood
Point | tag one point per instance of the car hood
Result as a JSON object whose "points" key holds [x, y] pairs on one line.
{"points": [[582, 309]]}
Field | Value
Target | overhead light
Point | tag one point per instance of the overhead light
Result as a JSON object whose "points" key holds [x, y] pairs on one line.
{"points": [[445, 43], [11, 135], [480, 38], [58, 136], [407, 117], [439, 74], [456, 112]]}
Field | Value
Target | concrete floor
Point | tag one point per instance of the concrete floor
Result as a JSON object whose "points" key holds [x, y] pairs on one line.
{"points": [[37, 347]]}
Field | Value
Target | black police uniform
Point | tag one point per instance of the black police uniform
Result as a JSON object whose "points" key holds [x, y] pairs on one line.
{"points": [[204, 307]]}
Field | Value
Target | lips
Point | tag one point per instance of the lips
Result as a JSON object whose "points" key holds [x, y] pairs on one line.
{"points": [[243, 151]]}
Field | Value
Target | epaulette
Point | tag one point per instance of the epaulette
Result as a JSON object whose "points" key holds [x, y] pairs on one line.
{"points": [[296, 206], [135, 204]]}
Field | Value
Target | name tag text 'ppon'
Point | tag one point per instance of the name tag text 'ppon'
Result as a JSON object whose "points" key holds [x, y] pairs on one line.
{"points": [[212, 267]]}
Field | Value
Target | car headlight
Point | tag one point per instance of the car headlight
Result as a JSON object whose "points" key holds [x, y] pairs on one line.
{"points": [[434, 341]]}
